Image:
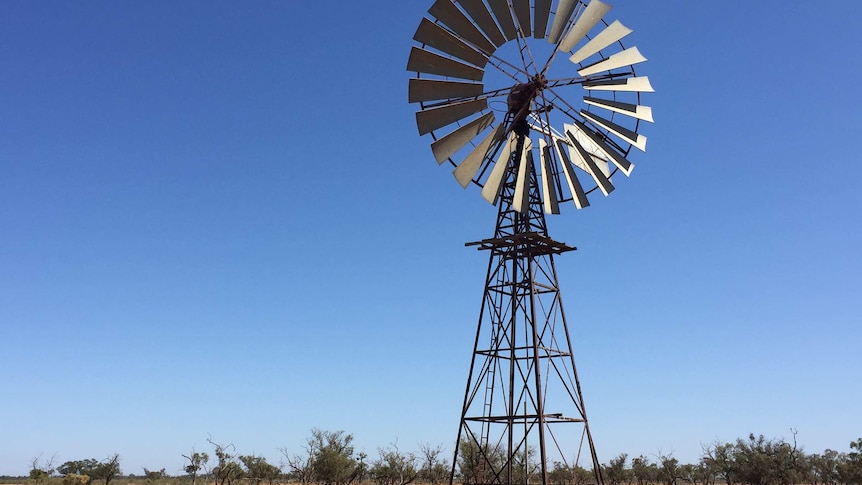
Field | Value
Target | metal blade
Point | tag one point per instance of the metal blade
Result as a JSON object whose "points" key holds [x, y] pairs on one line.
{"points": [[522, 12], [565, 148], [542, 13], [441, 39], [599, 157], [603, 182], [504, 18], [430, 63], [450, 144], [620, 161], [575, 187], [482, 17], [628, 57], [629, 84], [635, 139], [585, 23], [421, 90], [565, 9], [549, 188], [633, 110], [491, 190], [521, 199], [613, 33], [567, 152], [431, 119], [446, 12], [466, 171]]}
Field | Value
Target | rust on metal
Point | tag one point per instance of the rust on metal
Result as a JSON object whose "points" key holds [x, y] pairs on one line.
{"points": [[524, 244]]}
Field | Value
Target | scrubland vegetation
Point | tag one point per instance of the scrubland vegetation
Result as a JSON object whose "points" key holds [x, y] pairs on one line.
{"points": [[329, 458]]}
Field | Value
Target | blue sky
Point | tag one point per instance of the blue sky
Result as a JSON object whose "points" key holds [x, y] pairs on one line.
{"points": [[218, 220]]}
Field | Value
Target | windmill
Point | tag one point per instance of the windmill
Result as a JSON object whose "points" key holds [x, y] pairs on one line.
{"points": [[538, 105]]}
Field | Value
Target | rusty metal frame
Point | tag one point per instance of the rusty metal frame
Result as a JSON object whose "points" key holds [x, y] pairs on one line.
{"points": [[523, 383]]}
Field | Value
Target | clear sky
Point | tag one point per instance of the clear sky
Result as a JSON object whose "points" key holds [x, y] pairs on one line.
{"points": [[217, 219]]}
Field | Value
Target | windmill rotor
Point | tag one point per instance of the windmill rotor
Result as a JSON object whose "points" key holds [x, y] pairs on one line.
{"points": [[483, 73]]}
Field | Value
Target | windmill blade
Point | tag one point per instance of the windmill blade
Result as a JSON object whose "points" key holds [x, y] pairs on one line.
{"points": [[466, 171], [585, 23], [542, 13], [420, 90], [522, 12], [449, 145], [448, 13], [550, 199], [575, 187], [628, 57], [632, 137], [629, 84], [521, 199], [620, 161], [565, 9], [430, 63], [602, 181], [563, 148], [504, 18], [633, 110], [431, 119], [441, 39], [491, 190], [477, 10], [568, 152], [568, 155], [612, 33], [598, 156]]}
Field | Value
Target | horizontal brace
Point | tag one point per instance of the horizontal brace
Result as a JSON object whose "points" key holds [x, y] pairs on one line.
{"points": [[529, 418], [528, 244]]}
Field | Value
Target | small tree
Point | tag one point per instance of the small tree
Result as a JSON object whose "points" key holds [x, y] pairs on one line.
{"points": [[668, 470], [582, 476], [258, 470], [196, 463], [153, 475], [561, 474], [40, 469], [108, 469], [525, 466], [615, 471], [478, 464], [332, 458], [851, 469], [825, 467], [789, 462], [434, 468], [720, 458], [565, 474], [227, 470], [393, 467], [643, 471], [39, 476], [299, 466], [79, 467]]}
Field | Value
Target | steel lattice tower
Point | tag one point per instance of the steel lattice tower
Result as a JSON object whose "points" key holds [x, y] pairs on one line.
{"points": [[523, 406]]}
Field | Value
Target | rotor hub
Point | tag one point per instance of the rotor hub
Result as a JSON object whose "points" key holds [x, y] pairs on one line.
{"points": [[522, 95], [521, 99]]}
